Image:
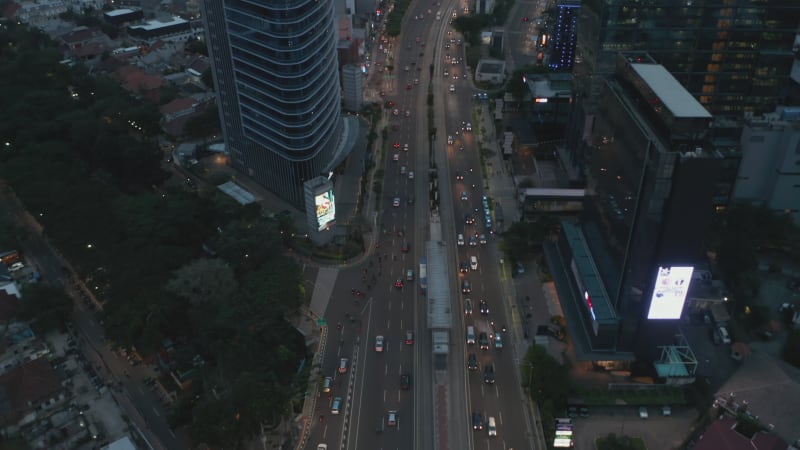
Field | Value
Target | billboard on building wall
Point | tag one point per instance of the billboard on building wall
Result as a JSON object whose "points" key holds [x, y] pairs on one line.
{"points": [[326, 209], [669, 292]]}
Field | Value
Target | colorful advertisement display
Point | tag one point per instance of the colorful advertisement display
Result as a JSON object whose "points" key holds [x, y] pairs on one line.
{"points": [[669, 292], [326, 209]]}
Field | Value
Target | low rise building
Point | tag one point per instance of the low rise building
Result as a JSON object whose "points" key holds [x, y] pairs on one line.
{"points": [[158, 29], [551, 97]]}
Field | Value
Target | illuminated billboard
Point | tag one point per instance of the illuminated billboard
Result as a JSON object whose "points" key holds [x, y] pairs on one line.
{"points": [[669, 292], [326, 209]]}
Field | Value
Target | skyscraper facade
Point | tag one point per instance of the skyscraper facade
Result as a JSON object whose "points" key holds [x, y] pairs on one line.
{"points": [[734, 56], [565, 34], [651, 176], [277, 82]]}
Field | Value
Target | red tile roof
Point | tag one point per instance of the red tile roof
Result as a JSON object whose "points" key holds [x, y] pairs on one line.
{"points": [[11, 10], [178, 105], [22, 389], [722, 435], [135, 80]]}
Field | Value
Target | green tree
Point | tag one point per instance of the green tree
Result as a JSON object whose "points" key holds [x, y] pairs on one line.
{"points": [[196, 46], [791, 349], [204, 281], [614, 442], [45, 306], [203, 125]]}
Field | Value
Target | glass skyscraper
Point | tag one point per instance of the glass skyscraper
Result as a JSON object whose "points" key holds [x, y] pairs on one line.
{"points": [[277, 81], [734, 56]]}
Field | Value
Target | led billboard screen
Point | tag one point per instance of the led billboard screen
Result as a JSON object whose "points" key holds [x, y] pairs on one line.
{"points": [[326, 209], [669, 292]]}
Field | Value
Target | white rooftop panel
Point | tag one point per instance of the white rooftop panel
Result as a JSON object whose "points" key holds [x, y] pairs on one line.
{"points": [[118, 12], [156, 24], [674, 96], [439, 301]]}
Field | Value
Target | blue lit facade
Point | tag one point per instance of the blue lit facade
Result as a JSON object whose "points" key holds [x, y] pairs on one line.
{"points": [[277, 82], [565, 35]]}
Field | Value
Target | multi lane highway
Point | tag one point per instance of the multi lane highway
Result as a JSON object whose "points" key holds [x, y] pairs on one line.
{"points": [[494, 395], [385, 392]]}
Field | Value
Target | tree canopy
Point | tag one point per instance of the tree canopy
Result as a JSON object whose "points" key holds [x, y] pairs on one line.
{"points": [[199, 270]]}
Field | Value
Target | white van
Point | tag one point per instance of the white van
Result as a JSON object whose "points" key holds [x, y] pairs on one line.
{"points": [[724, 337], [460, 240], [471, 335], [473, 262], [491, 425]]}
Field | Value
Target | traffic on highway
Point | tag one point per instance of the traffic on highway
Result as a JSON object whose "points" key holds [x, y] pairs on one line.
{"points": [[378, 389]]}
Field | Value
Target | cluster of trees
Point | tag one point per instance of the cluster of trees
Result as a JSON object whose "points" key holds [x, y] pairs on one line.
{"points": [[199, 269], [742, 233], [549, 385], [524, 239]]}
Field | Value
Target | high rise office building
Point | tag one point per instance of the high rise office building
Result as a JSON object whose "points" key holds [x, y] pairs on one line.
{"points": [[652, 171], [565, 34], [277, 82], [734, 56]]}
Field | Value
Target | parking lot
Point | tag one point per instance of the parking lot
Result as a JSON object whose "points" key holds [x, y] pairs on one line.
{"points": [[658, 432]]}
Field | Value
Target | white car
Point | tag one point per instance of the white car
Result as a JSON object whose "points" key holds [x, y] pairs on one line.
{"points": [[322, 447], [391, 419], [396, 202], [16, 266], [405, 147], [643, 412], [379, 343], [411, 175], [452, 88], [396, 157], [473, 262], [460, 240], [449, 139]]}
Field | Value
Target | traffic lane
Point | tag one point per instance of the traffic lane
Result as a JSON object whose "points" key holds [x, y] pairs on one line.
{"points": [[488, 284], [485, 399], [381, 393]]}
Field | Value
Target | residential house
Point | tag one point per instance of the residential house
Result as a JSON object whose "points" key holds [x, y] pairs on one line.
{"points": [[28, 390], [135, 80], [85, 43]]}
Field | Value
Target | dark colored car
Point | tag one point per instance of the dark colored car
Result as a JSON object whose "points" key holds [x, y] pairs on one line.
{"points": [[488, 374], [405, 381], [484, 308], [483, 341], [477, 421], [472, 362]]}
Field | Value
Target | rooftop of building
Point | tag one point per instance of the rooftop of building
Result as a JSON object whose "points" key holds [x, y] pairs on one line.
{"points": [[439, 300], [771, 390], [722, 434], [549, 85], [670, 92], [120, 12], [178, 105], [80, 34], [155, 24], [25, 386]]}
